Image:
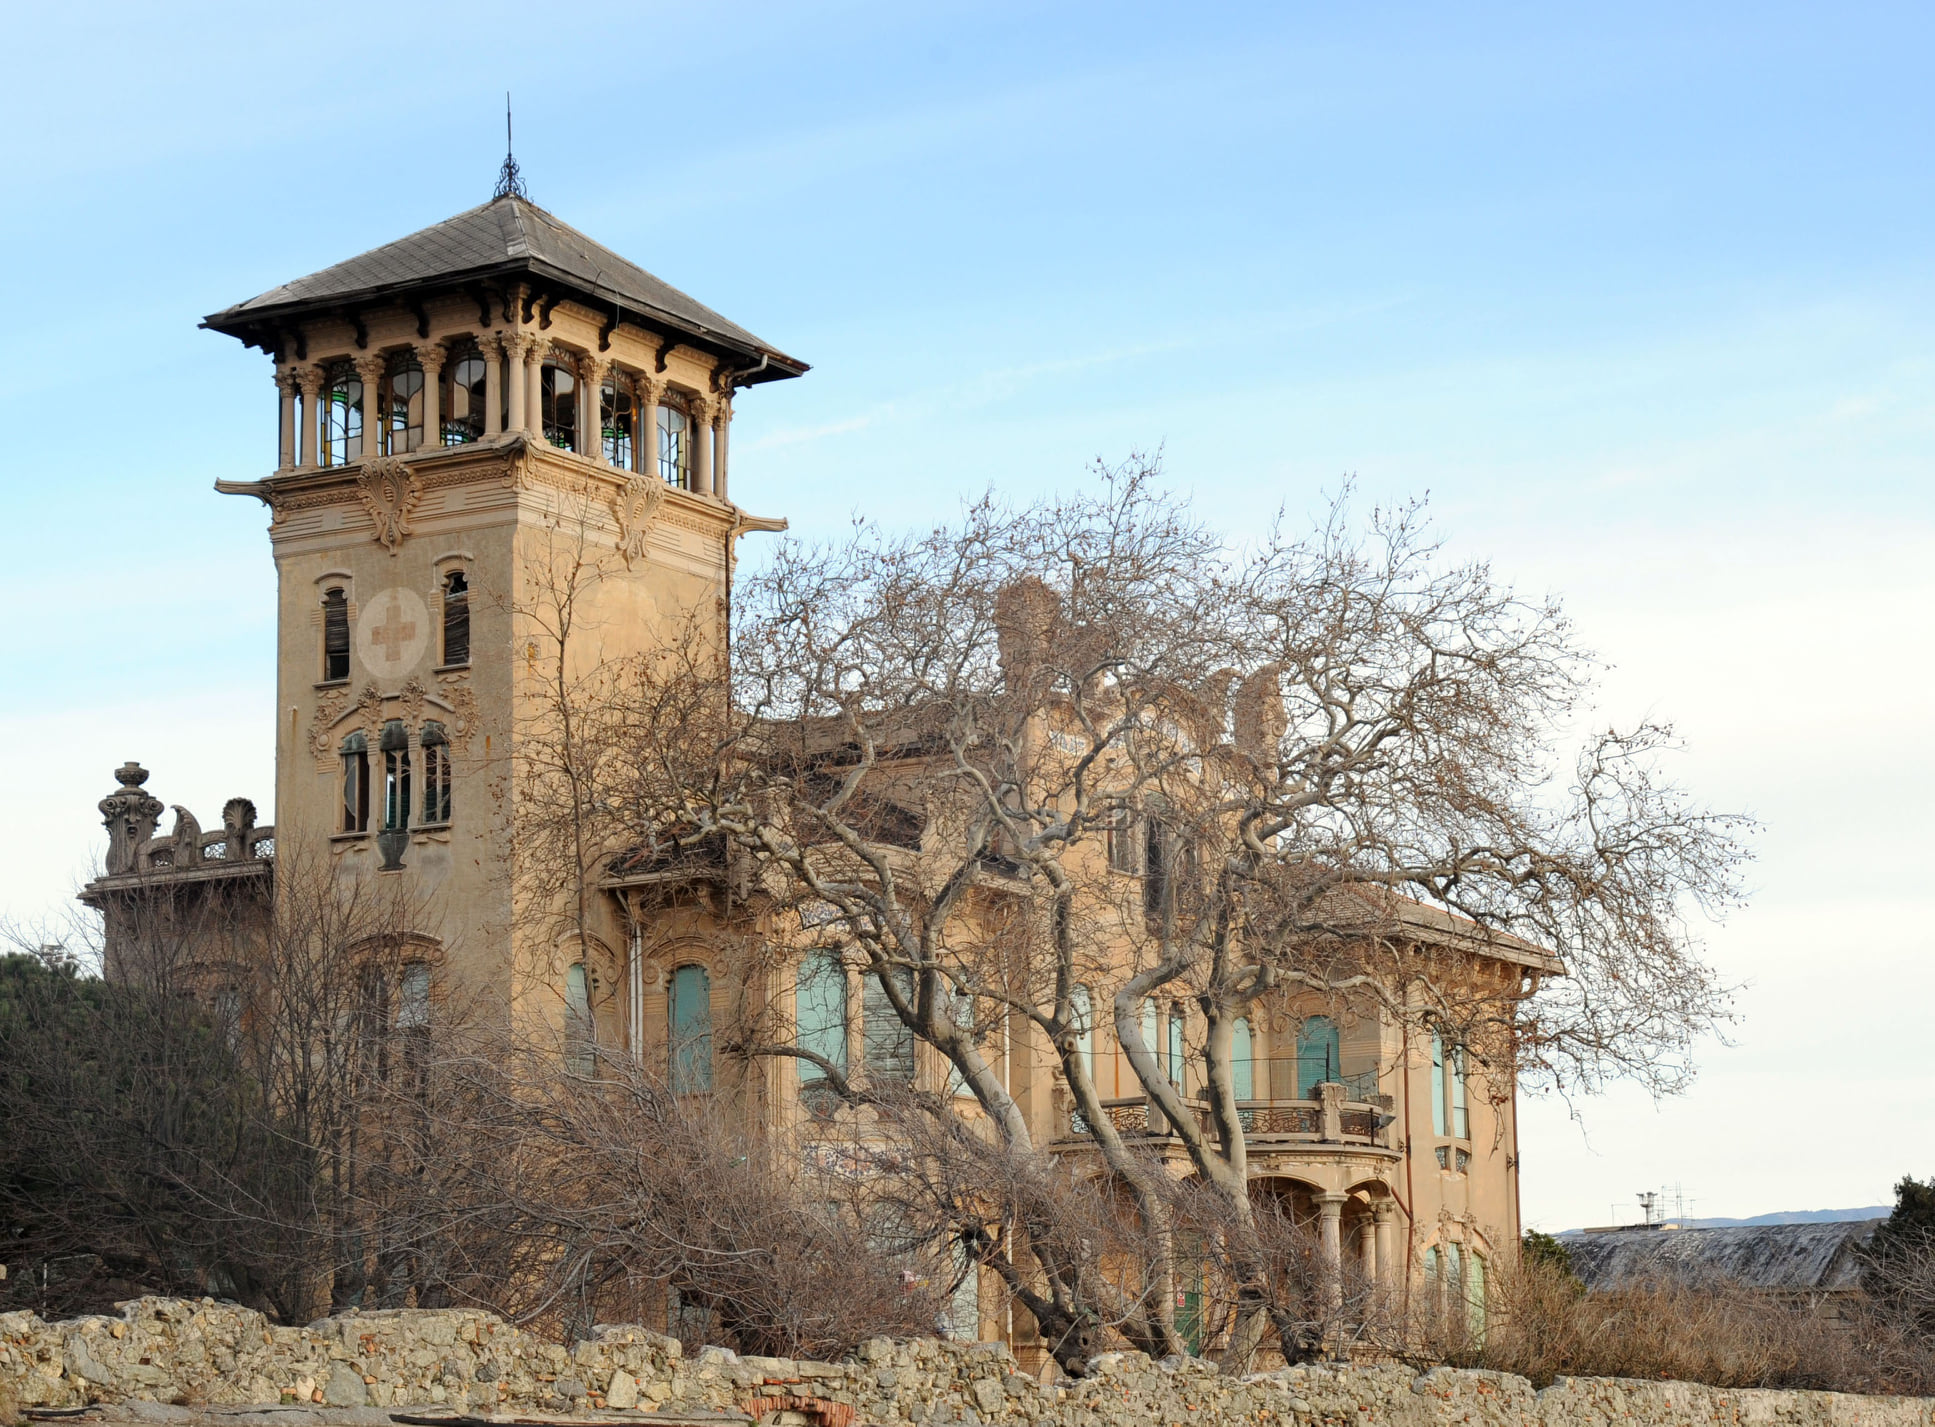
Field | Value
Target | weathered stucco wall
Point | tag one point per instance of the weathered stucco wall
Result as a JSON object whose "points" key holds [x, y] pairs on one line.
{"points": [[170, 1350]]}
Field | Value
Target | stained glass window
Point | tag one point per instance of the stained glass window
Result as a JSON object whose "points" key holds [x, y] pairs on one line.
{"points": [[675, 446], [464, 385], [342, 415]]}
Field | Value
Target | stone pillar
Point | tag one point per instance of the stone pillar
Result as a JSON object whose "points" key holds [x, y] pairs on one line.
{"points": [[1330, 1224], [286, 386], [1367, 1248], [591, 383], [534, 354], [312, 416], [430, 355], [646, 391], [493, 350], [1384, 1216], [1330, 1106], [701, 447], [515, 346], [374, 371], [721, 424]]}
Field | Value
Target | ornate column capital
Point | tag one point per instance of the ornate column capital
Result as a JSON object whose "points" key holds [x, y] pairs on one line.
{"points": [[291, 378], [430, 355], [649, 388], [309, 379], [593, 367], [702, 408], [372, 368]]}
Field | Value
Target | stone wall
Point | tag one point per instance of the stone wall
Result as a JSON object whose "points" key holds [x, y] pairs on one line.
{"points": [[204, 1353]]}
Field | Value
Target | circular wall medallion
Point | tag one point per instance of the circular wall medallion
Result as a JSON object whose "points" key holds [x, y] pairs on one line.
{"points": [[391, 632]]}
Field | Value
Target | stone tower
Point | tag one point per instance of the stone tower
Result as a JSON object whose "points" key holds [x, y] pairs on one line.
{"points": [[460, 410]]}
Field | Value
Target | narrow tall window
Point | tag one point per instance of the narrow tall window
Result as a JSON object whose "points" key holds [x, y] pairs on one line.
{"points": [[887, 1046], [463, 398], [395, 745], [1125, 845], [820, 1013], [579, 1055], [1152, 1028], [342, 415], [558, 402], [1176, 1017], [413, 998], [436, 773], [617, 420], [1156, 854], [1438, 1120], [356, 783], [1317, 1055], [1081, 1011], [1242, 1060], [674, 446], [402, 413], [691, 1016], [456, 618], [335, 635], [1455, 1078]]}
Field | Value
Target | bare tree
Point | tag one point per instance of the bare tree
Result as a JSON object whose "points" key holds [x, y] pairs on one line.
{"points": [[1341, 762]]}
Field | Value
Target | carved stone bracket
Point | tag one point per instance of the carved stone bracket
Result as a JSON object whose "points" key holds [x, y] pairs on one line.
{"points": [[635, 508], [390, 491]]}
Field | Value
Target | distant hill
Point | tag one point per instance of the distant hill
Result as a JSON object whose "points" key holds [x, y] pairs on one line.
{"points": [[1789, 1216], [1800, 1216]]}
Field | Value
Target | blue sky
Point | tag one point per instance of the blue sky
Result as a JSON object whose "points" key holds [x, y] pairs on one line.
{"points": [[1644, 300]]}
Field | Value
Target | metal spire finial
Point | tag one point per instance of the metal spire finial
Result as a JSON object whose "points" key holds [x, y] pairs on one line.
{"points": [[510, 183]]}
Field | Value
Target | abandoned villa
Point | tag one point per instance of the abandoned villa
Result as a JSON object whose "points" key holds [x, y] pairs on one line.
{"points": [[448, 403]]}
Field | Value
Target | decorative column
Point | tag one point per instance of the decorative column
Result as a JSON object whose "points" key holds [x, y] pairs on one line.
{"points": [[646, 390], [721, 424], [430, 357], [311, 379], [515, 345], [1384, 1217], [591, 384], [1367, 1248], [129, 813], [534, 355], [373, 370], [702, 446], [1330, 1223], [286, 385], [492, 347]]}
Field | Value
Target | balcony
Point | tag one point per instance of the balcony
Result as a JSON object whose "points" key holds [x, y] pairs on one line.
{"points": [[1330, 1119]]}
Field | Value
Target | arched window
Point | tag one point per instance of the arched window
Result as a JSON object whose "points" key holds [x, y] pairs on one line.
{"points": [[617, 419], [335, 635], [342, 415], [820, 1013], [674, 445], [690, 1012], [964, 1304], [558, 401], [436, 773], [1450, 1105], [395, 745], [1081, 1013], [456, 618], [403, 406], [1434, 1265], [579, 1036], [887, 1046], [356, 783], [1475, 1294], [464, 384], [1317, 1055], [1242, 1060]]}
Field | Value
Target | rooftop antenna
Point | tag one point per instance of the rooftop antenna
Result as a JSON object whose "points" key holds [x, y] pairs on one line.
{"points": [[510, 183]]}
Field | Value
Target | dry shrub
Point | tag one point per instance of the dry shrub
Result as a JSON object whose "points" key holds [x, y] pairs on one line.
{"points": [[1540, 1323]]}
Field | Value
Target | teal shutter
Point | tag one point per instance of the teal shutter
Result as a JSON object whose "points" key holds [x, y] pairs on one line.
{"points": [[691, 1030], [1242, 1062], [1437, 1084], [820, 1012], [1317, 1055]]}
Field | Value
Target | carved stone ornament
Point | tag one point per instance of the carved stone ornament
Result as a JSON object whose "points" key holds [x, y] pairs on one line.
{"points": [[636, 507], [413, 696], [456, 693], [390, 492], [330, 708]]}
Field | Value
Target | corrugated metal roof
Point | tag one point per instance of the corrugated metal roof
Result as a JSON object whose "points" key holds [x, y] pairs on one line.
{"points": [[1789, 1257], [504, 235]]}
